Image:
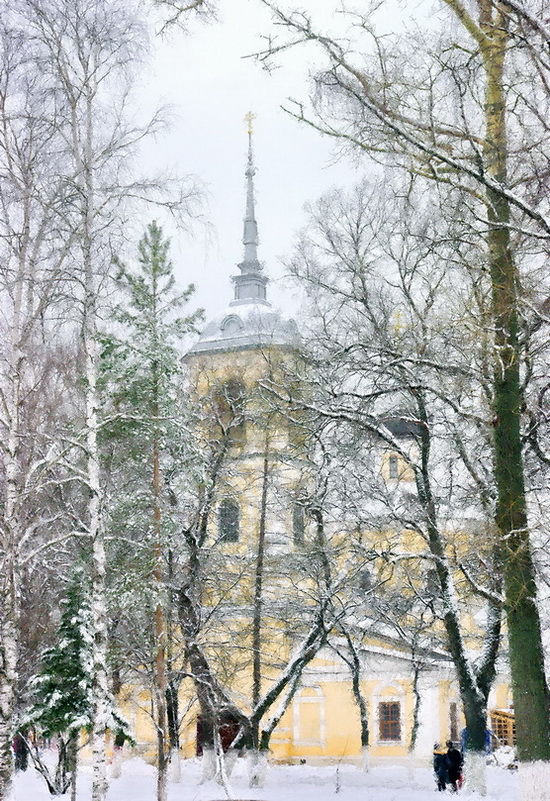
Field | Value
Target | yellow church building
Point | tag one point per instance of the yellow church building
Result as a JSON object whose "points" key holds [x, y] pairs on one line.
{"points": [[267, 568]]}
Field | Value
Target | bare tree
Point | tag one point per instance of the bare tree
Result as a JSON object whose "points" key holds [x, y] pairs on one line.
{"points": [[234, 626], [391, 101], [33, 405], [408, 407]]}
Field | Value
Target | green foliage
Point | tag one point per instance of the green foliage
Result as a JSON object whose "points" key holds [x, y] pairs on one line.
{"points": [[141, 363], [63, 688], [146, 425]]}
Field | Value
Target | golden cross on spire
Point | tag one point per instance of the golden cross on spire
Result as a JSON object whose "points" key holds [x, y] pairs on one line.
{"points": [[249, 119], [398, 322]]}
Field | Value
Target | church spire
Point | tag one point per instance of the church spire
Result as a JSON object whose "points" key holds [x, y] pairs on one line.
{"points": [[250, 285]]}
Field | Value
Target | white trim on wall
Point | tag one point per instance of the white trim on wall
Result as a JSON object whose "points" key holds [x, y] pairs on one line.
{"points": [[319, 699]]}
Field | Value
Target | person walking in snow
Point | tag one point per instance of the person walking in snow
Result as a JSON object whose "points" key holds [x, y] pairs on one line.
{"points": [[455, 762], [441, 767], [21, 752]]}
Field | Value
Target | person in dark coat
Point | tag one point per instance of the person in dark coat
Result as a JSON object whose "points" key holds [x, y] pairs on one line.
{"points": [[455, 762], [21, 752], [441, 767]]}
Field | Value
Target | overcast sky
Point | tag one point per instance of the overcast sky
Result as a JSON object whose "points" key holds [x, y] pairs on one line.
{"points": [[211, 87]]}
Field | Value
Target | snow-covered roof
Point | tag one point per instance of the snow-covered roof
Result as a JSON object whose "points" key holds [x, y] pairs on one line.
{"points": [[247, 324]]}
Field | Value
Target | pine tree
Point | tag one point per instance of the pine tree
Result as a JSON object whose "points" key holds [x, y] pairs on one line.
{"points": [[142, 369], [62, 690]]}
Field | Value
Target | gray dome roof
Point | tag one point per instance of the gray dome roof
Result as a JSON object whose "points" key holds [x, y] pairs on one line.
{"points": [[246, 324]]}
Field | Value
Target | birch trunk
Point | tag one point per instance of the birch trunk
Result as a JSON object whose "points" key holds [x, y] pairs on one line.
{"points": [[12, 527], [9, 652], [82, 130], [9, 644], [96, 532]]}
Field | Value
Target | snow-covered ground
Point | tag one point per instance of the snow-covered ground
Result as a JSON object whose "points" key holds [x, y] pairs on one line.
{"points": [[284, 783]]}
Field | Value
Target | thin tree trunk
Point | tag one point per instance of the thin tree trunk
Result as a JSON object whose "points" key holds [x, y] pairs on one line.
{"points": [[12, 530], [99, 614], [84, 159], [160, 622], [9, 643], [257, 609], [172, 713], [473, 691], [160, 632], [355, 668], [8, 679], [73, 764]]}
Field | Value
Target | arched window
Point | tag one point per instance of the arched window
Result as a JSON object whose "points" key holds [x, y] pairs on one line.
{"points": [[229, 520], [298, 524], [393, 466]]}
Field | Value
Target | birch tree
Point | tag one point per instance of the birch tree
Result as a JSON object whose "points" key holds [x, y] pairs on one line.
{"points": [[35, 242], [87, 54]]}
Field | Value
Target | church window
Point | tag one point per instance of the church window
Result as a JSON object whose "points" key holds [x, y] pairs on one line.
{"points": [[365, 579], [298, 524], [228, 520], [232, 325], [393, 466], [389, 719]]}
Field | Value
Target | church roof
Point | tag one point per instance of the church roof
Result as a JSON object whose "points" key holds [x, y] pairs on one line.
{"points": [[250, 321], [247, 324]]}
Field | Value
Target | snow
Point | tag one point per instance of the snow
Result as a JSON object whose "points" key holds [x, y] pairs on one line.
{"points": [[283, 783]]}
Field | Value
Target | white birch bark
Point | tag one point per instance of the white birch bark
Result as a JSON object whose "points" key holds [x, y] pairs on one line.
{"points": [[87, 50], [175, 765], [257, 767], [534, 781], [13, 525], [475, 772], [208, 764], [10, 591], [9, 651], [83, 138], [99, 616]]}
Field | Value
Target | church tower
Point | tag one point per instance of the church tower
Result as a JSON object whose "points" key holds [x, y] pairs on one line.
{"points": [[256, 520], [240, 353], [250, 322]]}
